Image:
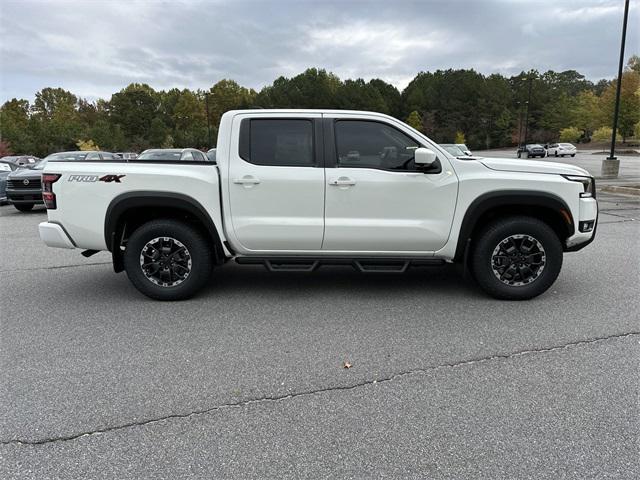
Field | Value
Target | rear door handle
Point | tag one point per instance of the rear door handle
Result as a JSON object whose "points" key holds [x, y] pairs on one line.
{"points": [[343, 182], [246, 180]]}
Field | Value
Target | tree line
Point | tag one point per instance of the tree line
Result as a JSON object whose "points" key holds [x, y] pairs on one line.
{"points": [[485, 111]]}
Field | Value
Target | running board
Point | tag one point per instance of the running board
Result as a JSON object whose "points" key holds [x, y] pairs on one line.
{"points": [[364, 265]]}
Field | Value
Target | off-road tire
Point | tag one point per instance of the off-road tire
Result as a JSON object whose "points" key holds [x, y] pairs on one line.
{"points": [[490, 239], [199, 252]]}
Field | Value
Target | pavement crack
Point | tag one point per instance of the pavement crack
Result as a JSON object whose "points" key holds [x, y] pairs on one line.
{"points": [[75, 265], [243, 403]]}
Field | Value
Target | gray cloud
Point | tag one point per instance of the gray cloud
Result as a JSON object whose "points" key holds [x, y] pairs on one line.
{"points": [[96, 48]]}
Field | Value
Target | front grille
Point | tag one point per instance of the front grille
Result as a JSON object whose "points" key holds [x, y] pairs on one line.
{"points": [[34, 184]]}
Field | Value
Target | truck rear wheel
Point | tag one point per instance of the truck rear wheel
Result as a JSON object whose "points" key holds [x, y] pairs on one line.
{"points": [[516, 258], [168, 260]]}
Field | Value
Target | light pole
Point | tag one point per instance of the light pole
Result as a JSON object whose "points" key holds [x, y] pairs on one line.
{"points": [[611, 165]]}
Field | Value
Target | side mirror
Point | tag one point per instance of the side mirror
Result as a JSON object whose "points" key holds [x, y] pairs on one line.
{"points": [[424, 157]]}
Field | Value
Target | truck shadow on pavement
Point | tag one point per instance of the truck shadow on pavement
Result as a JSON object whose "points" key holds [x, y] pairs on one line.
{"points": [[446, 279]]}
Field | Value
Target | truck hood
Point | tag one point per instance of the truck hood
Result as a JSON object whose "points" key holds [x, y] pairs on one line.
{"points": [[23, 173], [532, 166]]}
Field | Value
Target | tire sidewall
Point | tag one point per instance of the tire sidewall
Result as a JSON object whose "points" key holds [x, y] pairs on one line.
{"points": [[193, 240], [493, 235]]}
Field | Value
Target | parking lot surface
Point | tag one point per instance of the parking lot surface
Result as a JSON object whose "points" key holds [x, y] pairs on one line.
{"points": [[247, 380]]}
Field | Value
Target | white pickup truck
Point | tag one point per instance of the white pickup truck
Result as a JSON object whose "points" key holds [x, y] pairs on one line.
{"points": [[296, 189]]}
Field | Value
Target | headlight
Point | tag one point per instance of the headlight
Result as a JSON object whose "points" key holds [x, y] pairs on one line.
{"points": [[589, 184]]}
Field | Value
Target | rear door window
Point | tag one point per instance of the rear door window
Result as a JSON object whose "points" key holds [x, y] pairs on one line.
{"points": [[277, 142]]}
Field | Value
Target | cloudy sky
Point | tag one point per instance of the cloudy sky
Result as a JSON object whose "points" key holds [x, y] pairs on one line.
{"points": [[95, 48]]}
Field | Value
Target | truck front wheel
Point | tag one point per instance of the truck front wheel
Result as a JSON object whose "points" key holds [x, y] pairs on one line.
{"points": [[168, 260], [516, 258]]}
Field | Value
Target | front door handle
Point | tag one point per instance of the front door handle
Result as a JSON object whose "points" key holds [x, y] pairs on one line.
{"points": [[246, 180], [343, 182]]}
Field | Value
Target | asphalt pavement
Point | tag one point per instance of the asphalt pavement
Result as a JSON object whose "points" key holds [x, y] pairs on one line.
{"points": [[247, 380]]}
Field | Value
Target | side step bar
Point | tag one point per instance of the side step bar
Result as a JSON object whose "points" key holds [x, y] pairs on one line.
{"points": [[364, 265]]}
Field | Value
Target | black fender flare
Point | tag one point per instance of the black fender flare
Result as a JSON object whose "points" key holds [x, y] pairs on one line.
{"points": [[510, 198], [157, 199]]}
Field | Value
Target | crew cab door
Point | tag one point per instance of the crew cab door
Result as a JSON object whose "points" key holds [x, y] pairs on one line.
{"points": [[377, 200], [276, 182]]}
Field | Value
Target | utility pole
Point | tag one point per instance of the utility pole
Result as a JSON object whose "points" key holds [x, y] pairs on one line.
{"points": [[206, 102], [519, 125], [528, 102], [611, 165]]}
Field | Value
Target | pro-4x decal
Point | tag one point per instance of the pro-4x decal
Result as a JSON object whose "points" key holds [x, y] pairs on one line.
{"points": [[111, 178]]}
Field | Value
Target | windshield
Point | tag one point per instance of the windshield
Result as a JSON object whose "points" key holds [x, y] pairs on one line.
{"points": [[566, 145], [4, 167], [453, 150], [67, 156], [160, 155], [40, 165]]}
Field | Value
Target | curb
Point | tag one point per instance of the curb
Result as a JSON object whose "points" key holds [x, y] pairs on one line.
{"points": [[631, 190]]}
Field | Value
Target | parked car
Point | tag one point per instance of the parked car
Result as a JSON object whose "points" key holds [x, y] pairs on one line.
{"points": [[453, 149], [282, 197], [82, 156], [24, 188], [532, 150], [5, 169], [561, 149], [464, 149], [127, 155], [21, 160], [172, 154]]}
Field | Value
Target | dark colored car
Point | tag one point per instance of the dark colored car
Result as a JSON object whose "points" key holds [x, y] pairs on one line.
{"points": [[24, 187], [5, 169], [531, 150]]}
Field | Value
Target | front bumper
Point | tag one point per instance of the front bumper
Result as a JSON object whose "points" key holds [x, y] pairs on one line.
{"points": [[588, 213], [24, 196], [54, 235]]}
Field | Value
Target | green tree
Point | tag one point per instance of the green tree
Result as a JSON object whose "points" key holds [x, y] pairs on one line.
{"points": [[157, 132], [87, 145], [55, 121], [414, 120], [314, 88], [134, 108], [585, 114], [629, 113], [359, 95], [570, 134], [228, 95], [190, 121], [602, 134], [15, 126], [459, 137]]}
